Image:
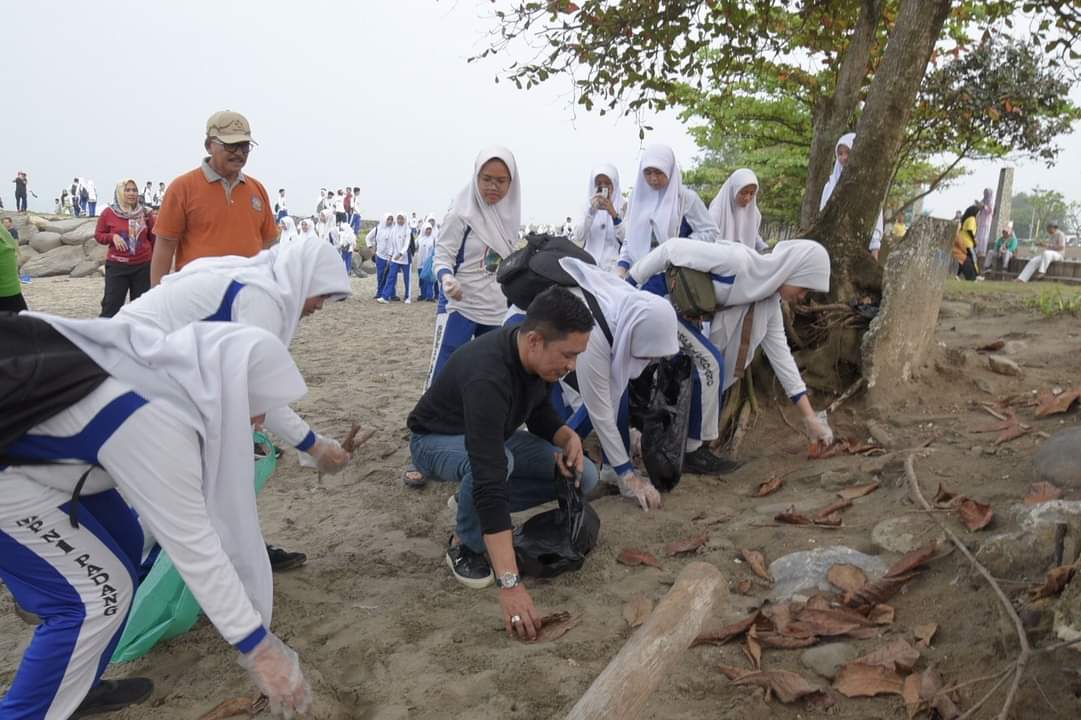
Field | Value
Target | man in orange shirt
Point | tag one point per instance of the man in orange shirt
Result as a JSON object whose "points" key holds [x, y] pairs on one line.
{"points": [[215, 209]]}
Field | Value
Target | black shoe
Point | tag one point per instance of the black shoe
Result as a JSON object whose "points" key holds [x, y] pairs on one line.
{"points": [[113, 695], [281, 560], [469, 568], [704, 462]]}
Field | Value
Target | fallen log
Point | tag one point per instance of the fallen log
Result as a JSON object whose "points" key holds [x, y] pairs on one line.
{"points": [[624, 686]]}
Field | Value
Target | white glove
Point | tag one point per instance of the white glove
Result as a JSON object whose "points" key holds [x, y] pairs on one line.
{"points": [[451, 287], [818, 428], [275, 669], [632, 486], [329, 455]]}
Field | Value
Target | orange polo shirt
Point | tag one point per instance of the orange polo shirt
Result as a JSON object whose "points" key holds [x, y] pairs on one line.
{"points": [[210, 217]]}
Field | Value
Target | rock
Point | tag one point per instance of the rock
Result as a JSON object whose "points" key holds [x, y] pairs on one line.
{"points": [[826, 660], [1058, 461], [1067, 619], [958, 357], [1015, 347], [45, 241], [26, 254], [84, 269], [1004, 366], [954, 309], [59, 261], [905, 533], [984, 386], [368, 267], [1027, 553], [39, 222], [95, 251], [805, 571], [880, 435], [80, 234], [65, 226]]}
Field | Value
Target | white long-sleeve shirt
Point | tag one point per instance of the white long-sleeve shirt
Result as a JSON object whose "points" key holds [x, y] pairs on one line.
{"points": [[767, 331], [613, 246], [186, 300], [694, 212], [482, 300], [594, 371]]}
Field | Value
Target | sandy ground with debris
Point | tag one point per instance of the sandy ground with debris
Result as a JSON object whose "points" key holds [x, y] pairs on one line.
{"points": [[385, 633]]}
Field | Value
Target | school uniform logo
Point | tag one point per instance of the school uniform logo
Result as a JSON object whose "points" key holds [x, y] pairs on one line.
{"points": [[257, 203]]}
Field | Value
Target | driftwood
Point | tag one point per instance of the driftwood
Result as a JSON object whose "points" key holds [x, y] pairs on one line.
{"points": [[624, 686]]}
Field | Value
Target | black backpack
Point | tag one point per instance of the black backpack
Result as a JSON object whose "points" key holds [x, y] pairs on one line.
{"points": [[557, 541], [41, 374], [528, 272], [660, 400]]}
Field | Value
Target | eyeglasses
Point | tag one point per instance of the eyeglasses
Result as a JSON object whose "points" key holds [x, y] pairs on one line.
{"points": [[239, 147]]}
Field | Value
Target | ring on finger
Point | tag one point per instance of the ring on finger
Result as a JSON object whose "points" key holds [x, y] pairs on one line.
{"points": [[515, 619]]}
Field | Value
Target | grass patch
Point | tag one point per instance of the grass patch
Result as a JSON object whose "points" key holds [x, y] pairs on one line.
{"points": [[1047, 298], [1055, 301]]}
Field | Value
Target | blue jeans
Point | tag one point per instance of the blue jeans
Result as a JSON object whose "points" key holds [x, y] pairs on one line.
{"points": [[530, 473]]}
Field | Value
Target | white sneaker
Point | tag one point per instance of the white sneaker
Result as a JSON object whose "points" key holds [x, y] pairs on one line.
{"points": [[408, 300], [383, 301]]}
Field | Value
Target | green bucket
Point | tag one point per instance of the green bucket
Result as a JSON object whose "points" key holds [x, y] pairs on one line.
{"points": [[163, 606]]}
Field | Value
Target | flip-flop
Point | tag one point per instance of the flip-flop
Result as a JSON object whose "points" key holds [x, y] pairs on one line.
{"points": [[416, 482]]}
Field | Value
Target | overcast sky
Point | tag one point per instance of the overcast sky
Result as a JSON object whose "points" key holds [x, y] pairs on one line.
{"points": [[373, 93]]}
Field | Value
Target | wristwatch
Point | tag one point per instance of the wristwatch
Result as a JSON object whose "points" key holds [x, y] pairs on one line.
{"points": [[507, 580]]}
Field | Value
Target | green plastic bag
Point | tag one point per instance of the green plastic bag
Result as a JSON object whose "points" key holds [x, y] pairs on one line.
{"points": [[163, 606]]}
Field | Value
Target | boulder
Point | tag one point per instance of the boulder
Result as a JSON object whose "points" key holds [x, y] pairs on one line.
{"points": [[904, 533], [1004, 366], [805, 571], [1067, 621], [1058, 461], [26, 254], [951, 309], [95, 251], [80, 234], [1027, 553], [61, 227], [84, 269], [45, 241], [39, 222], [59, 261], [827, 660]]}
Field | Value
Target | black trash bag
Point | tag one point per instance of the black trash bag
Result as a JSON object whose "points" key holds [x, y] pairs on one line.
{"points": [[661, 409], [557, 541]]}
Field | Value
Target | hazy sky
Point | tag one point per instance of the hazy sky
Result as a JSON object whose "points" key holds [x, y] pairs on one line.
{"points": [[369, 93]]}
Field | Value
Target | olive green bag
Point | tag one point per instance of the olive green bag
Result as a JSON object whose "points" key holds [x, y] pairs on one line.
{"points": [[691, 292]]}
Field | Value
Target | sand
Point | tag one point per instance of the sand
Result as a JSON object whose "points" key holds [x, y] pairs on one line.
{"points": [[384, 632]]}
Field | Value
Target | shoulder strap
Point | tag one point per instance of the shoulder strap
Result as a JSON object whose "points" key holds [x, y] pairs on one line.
{"points": [[598, 316]]}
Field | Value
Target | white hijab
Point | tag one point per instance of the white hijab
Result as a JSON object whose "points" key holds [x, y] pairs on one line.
{"points": [[308, 234], [654, 213], [425, 243], [601, 234], [737, 224], [289, 234], [643, 325], [289, 274], [847, 140], [216, 376], [495, 225]]}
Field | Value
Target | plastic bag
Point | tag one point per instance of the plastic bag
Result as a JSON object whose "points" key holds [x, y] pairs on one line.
{"points": [[557, 541], [164, 607], [661, 409]]}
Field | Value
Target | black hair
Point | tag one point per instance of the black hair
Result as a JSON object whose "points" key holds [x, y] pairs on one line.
{"points": [[555, 313], [356, 189]]}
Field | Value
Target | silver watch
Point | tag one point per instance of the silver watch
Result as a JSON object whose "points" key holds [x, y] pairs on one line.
{"points": [[507, 580]]}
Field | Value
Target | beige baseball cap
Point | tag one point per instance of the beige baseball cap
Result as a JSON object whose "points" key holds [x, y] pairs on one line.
{"points": [[228, 127]]}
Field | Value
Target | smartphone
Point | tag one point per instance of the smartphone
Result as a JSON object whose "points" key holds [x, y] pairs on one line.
{"points": [[603, 192]]}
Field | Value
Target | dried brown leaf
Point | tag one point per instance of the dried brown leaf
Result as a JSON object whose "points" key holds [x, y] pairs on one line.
{"points": [[910, 692], [943, 498], [757, 562], [1057, 580], [353, 440], [882, 614], [931, 693], [975, 515], [769, 486], [879, 591], [744, 587], [556, 625], [913, 560], [992, 346], [243, 705], [752, 649], [633, 557], [687, 545], [846, 577], [1053, 405], [637, 609], [896, 655], [1041, 492], [780, 616], [787, 686], [791, 517], [827, 512], [719, 636], [858, 491], [818, 601], [859, 680], [786, 642], [827, 623], [924, 634]]}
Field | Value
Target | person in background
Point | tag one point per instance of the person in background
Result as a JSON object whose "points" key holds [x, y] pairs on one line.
{"points": [[600, 232], [91, 198], [841, 154], [9, 225], [66, 205], [22, 183], [380, 241], [347, 204], [159, 196], [1004, 249], [11, 294], [964, 244], [127, 229], [899, 227], [398, 262], [347, 243], [289, 232], [661, 208], [339, 207], [735, 210], [425, 262], [281, 208], [194, 221], [1053, 251], [322, 204], [986, 204], [147, 195], [354, 213], [567, 230], [76, 201], [84, 197]]}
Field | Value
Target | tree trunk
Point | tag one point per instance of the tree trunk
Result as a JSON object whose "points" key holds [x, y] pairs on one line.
{"points": [[833, 113], [846, 223]]}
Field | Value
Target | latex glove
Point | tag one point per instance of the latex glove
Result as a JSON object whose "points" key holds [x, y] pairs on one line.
{"points": [[642, 490], [275, 669], [451, 287], [621, 272], [818, 428], [329, 455]]}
